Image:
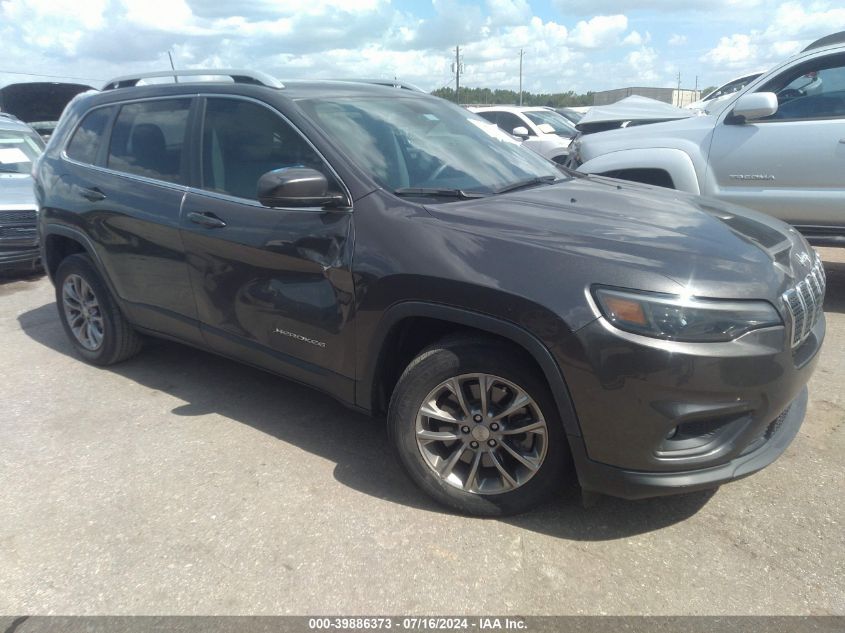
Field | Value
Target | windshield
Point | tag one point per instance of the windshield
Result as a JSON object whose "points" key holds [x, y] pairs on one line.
{"points": [[427, 144], [557, 121], [18, 150]]}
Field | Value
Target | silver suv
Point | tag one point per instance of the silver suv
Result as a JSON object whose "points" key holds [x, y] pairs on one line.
{"points": [[777, 146], [19, 147]]}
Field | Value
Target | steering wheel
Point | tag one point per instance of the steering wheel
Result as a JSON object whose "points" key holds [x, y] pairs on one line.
{"points": [[437, 171], [788, 94]]}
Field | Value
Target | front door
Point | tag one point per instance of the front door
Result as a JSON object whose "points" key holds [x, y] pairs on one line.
{"points": [[789, 165], [273, 286]]}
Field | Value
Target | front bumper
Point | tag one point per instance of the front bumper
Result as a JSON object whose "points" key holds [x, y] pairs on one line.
{"points": [[660, 418], [632, 484], [23, 260]]}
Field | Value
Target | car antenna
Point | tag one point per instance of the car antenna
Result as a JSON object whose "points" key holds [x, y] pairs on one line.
{"points": [[173, 67]]}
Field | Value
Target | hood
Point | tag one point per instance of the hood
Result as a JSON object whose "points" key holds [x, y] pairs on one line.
{"points": [[706, 247], [686, 134], [38, 101], [634, 109], [16, 189]]}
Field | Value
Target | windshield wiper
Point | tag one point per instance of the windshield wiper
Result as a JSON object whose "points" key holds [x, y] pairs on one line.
{"points": [[539, 180], [460, 194]]}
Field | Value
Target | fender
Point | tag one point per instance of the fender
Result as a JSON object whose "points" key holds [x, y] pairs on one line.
{"points": [[487, 323], [675, 162], [87, 245]]}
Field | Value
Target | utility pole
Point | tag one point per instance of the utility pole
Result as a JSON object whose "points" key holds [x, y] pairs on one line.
{"points": [[457, 67], [679, 89], [520, 77]]}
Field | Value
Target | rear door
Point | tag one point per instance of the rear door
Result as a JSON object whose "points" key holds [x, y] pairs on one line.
{"points": [[273, 285], [789, 165], [128, 193]]}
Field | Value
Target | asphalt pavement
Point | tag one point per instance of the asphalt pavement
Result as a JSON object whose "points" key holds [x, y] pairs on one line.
{"points": [[183, 483]]}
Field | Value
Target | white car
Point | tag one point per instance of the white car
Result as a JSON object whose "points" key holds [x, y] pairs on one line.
{"points": [[541, 129], [725, 90]]}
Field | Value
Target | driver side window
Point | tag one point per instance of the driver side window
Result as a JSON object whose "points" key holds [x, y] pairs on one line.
{"points": [[242, 141], [813, 90]]}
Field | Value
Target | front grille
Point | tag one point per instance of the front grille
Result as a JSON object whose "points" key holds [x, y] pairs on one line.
{"points": [[805, 303], [27, 216]]}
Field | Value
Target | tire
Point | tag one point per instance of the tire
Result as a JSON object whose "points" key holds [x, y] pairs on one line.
{"points": [[480, 490], [109, 338]]}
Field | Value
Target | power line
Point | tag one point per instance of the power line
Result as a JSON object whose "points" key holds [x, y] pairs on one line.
{"points": [[15, 72]]}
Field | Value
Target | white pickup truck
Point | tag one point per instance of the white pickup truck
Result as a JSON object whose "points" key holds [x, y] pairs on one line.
{"points": [[777, 146]]}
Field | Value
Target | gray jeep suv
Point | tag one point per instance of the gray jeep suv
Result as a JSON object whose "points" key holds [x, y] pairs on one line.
{"points": [[519, 326]]}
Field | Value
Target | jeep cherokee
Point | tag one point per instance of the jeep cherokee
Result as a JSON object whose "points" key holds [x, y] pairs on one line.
{"points": [[519, 326]]}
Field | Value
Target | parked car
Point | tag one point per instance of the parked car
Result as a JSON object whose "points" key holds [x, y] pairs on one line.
{"points": [[724, 91], [20, 146], [628, 112], [541, 129], [39, 103], [777, 146], [520, 327]]}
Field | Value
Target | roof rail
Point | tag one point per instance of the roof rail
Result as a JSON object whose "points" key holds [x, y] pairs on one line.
{"points": [[253, 77], [827, 40]]}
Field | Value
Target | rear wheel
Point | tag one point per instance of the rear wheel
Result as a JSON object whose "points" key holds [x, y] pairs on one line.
{"points": [[476, 428], [94, 324]]}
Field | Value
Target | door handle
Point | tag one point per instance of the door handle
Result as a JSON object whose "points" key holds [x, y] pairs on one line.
{"points": [[93, 194], [208, 220]]}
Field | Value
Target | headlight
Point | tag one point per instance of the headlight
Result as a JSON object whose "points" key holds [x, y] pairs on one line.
{"points": [[679, 319]]}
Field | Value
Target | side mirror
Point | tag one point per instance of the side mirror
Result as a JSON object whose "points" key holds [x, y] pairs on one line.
{"points": [[754, 105], [520, 131], [296, 187]]}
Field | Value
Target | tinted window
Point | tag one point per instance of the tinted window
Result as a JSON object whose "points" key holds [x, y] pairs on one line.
{"points": [[148, 137], [508, 122], [815, 90], [243, 141], [490, 116], [85, 142]]}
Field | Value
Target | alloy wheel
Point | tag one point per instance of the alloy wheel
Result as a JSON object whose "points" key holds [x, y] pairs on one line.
{"points": [[82, 311], [481, 434]]}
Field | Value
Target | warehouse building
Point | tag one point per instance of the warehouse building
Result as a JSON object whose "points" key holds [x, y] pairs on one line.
{"points": [[674, 96]]}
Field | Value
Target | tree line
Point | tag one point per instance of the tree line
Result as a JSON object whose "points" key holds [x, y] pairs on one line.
{"points": [[486, 96], [483, 96]]}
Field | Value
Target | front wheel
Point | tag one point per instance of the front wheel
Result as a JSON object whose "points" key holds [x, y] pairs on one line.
{"points": [[476, 428]]}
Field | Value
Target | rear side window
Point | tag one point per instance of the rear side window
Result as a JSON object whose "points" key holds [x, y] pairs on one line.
{"points": [[148, 139], [86, 141]]}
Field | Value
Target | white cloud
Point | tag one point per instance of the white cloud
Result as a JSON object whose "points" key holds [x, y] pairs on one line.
{"points": [[509, 12], [792, 26], [602, 30], [605, 47], [633, 39]]}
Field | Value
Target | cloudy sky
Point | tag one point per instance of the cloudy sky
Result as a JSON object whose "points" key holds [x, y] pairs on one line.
{"points": [[569, 44]]}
